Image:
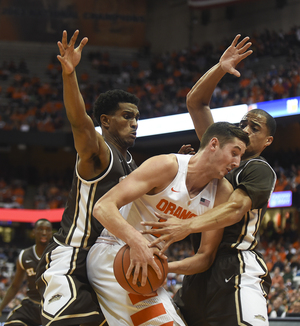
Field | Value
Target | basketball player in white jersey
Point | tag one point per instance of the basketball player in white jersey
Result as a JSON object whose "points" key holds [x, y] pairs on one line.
{"points": [[182, 185]]}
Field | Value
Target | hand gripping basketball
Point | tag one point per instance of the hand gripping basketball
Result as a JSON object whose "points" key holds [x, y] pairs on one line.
{"points": [[121, 264]]}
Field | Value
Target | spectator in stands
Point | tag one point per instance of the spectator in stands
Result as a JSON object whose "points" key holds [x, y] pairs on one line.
{"points": [[277, 279], [278, 308], [294, 311]]}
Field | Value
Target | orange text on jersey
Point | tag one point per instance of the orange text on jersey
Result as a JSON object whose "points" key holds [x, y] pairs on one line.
{"points": [[172, 209]]}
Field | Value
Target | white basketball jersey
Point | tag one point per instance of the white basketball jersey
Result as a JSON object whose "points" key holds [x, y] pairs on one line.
{"points": [[173, 200]]}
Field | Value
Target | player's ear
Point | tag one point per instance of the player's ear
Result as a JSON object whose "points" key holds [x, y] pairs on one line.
{"points": [[105, 120], [214, 143], [269, 141]]}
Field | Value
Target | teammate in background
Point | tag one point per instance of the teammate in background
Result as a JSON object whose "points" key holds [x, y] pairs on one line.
{"points": [[186, 185], [29, 311], [102, 161], [234, 290]]}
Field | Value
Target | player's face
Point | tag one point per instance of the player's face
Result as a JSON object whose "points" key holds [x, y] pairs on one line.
{"points": [[255, 126], [124, 124], [43, 232], [229, 156]]}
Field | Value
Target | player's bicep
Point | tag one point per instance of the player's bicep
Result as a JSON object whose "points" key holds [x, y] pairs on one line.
{"points": [[153, 173], [241, 199], [85, 137], [202, 118]]}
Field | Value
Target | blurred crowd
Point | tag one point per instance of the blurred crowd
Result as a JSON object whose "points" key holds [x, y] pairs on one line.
{"points": [[161, 81], [47, 195]]}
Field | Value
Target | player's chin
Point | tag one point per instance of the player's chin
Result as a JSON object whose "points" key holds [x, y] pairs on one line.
{"points": [[222, 174], [130, 142]]}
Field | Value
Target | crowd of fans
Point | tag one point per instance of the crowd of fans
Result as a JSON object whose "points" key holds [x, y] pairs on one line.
{"points": [[161, 84], [12, 193]]}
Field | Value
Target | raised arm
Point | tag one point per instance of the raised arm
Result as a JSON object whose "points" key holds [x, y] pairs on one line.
{"points": [[199, 96], [88, 142]]}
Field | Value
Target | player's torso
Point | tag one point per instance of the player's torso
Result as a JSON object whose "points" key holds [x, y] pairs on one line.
{"points": [[29, 260], [174, 200], [79, 227]]}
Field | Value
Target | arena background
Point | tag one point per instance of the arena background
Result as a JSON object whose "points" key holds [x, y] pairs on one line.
{"points": [[130, 29]]}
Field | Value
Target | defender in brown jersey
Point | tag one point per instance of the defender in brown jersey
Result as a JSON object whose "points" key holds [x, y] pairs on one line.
{"points": [[28, 312]]}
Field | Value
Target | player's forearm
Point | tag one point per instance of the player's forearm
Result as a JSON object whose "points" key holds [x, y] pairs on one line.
{"points": [[200, 94], [73, 101], [221, 216], [10, 294], [109, 216], [199, 263]]}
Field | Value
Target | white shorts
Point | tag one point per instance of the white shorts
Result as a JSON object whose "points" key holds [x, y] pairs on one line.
{"points": [[119, 306]]}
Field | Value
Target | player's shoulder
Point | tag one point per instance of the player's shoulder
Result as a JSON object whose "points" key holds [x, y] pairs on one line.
{"points": [[163, 160], [161, 166], [258, 164], [26, 252]]}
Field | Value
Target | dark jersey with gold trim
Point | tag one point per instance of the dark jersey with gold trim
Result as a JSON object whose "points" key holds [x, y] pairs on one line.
{"points": [[29, 260], [257, 178], [79, 228]]}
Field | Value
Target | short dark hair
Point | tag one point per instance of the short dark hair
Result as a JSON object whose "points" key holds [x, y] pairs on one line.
{"points": [[270, 121], [108, 102], [225, 132], [41, 220]]}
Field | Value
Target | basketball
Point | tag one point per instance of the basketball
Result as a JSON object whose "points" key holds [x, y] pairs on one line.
{"points": [[121, 264]]}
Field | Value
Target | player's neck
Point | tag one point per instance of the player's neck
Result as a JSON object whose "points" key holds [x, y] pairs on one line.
{"points": [[39, 249]]}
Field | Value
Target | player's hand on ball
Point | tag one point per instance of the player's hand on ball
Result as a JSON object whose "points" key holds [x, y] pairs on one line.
{"points": [[139, 278], [141, 263]]}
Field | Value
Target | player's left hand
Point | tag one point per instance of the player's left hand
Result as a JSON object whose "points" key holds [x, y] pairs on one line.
{"points": [[140, 257], [234, 54]]}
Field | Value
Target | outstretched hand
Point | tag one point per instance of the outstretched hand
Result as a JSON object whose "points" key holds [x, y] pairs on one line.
{"points": [[170, 229], [69, 56], [234, 54]]}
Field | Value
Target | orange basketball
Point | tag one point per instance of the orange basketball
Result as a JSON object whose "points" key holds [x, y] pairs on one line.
{"points": [[121, 264]]}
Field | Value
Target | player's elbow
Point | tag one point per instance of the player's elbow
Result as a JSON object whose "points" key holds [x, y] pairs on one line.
{"points": [[98, 210], [202, 265], [238, 210]]}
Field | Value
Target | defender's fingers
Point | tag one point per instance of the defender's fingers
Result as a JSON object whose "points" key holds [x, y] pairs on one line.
{"points": [[242, 43], [235, 40], [74, 38]]}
